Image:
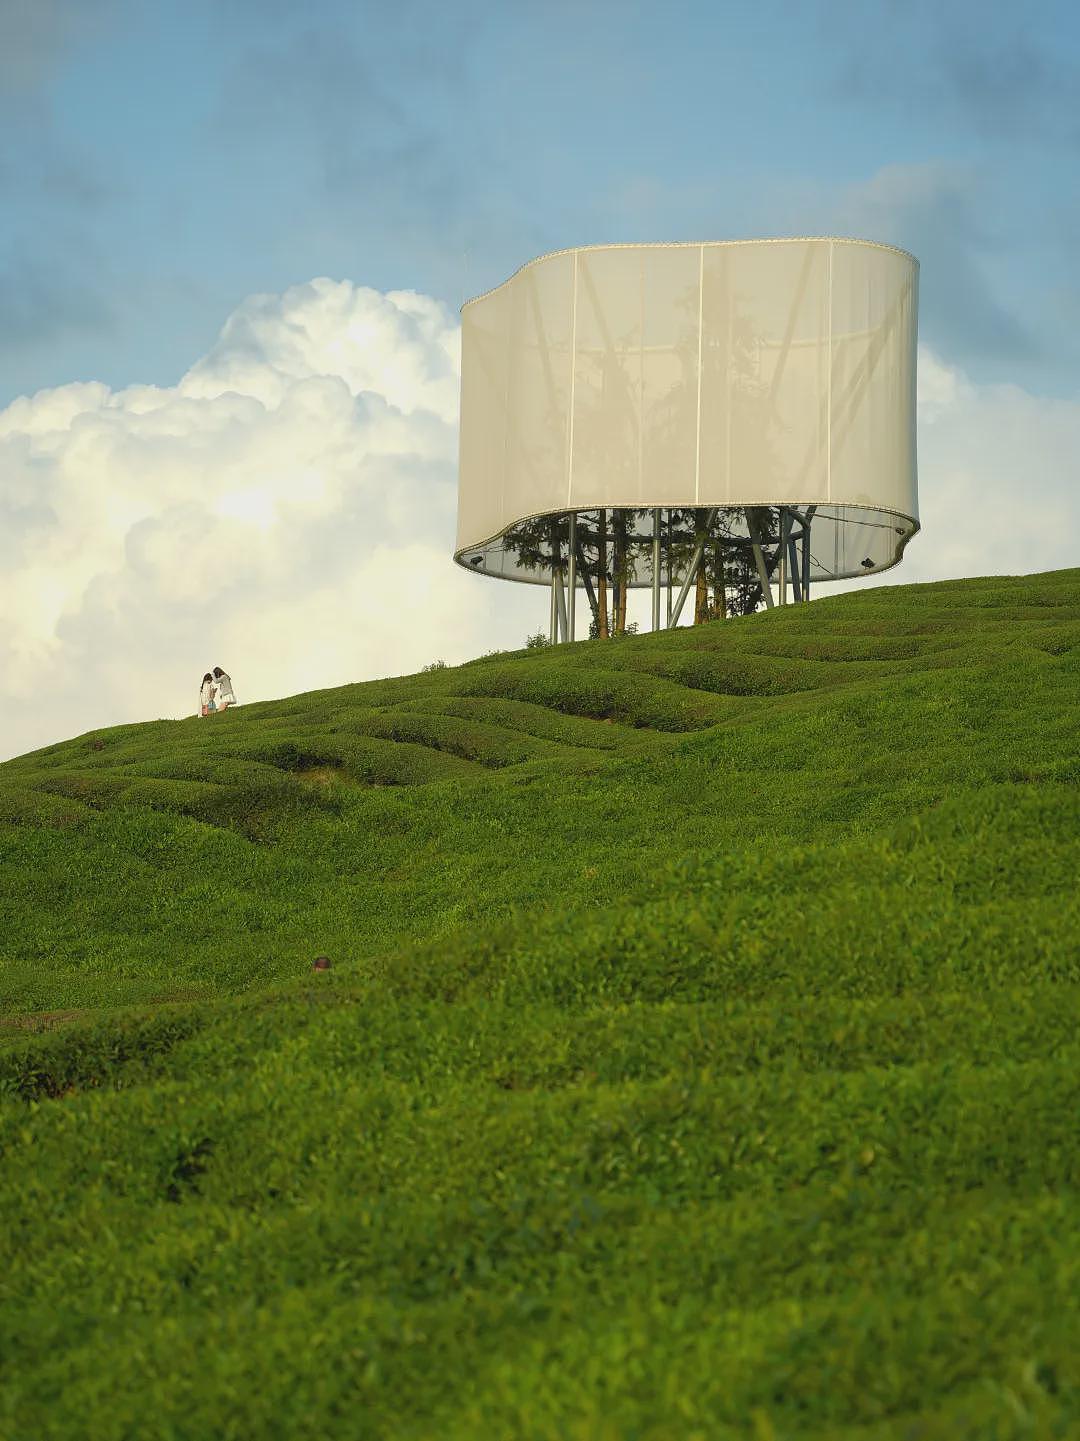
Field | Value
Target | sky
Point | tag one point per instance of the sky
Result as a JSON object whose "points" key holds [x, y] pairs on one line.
{"points": [[234, 238]]}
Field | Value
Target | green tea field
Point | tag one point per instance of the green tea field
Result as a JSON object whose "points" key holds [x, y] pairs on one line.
{"points": [[699, 1058]]}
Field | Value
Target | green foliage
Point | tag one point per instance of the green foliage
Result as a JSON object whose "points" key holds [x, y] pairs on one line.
{"points": [[699, 1057], [594, 627]]}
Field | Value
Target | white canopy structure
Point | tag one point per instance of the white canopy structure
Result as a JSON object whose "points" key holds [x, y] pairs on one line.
{"points": [[761, 392]]}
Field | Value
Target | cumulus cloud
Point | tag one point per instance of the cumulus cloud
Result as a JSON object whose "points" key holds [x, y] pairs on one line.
{"points": [[287, 511], [999, 484]]}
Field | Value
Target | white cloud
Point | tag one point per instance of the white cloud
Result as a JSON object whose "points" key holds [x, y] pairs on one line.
{"points": [[401, 346], [287, 511], [999, 479]]}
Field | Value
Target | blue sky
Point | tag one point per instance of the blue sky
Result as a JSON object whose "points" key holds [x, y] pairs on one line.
{"points": [[209, 455], [160, 161]]}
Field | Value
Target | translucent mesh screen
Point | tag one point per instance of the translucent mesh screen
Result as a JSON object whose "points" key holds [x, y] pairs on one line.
{"points": [[756, 373]]}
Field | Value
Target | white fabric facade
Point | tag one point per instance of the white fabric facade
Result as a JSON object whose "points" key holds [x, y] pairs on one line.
{"points": [[742, 373]]}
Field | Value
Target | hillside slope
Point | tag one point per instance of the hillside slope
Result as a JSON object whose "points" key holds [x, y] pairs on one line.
{"points": [[699, 1057]]}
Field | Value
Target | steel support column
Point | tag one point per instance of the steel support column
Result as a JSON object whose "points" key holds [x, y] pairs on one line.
{"points": [[571, 576], [785, 532], [807, 518], [759, 557], [691, 574], [586, 580], [560, 603], [656, 569], [796, 573]]}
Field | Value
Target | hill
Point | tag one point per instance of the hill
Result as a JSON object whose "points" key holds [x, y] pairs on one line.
{"points": [[699, 1056]]}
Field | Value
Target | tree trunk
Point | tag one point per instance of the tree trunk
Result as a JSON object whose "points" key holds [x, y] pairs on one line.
{"points": [[701, 580], [701, 594], [720, 586], [601, 576], [619, 525]]}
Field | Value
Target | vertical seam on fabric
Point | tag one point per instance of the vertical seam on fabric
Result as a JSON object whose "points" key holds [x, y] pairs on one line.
{"points": [[828, 386], [506, 416], [641, 382], [573, 375], [700, 317], [728, 397]]}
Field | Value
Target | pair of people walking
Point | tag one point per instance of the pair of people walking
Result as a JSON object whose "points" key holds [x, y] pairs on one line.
{"points": [[216, 692]]}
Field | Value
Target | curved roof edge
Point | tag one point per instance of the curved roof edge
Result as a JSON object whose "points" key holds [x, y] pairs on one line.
{"points": [[690, 244]]}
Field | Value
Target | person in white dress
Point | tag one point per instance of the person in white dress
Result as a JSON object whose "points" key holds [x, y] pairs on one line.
{"points": [[206, 695], [226, 696]]}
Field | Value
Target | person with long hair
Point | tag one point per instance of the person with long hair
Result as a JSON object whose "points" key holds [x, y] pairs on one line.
{"points": [[225, 694], [206, 695]]}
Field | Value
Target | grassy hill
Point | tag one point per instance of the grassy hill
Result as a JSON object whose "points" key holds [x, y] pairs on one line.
{"points": [[699, 1057]]}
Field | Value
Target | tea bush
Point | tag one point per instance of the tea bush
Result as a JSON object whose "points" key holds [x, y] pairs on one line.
{"points": [[699, 1056]]}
